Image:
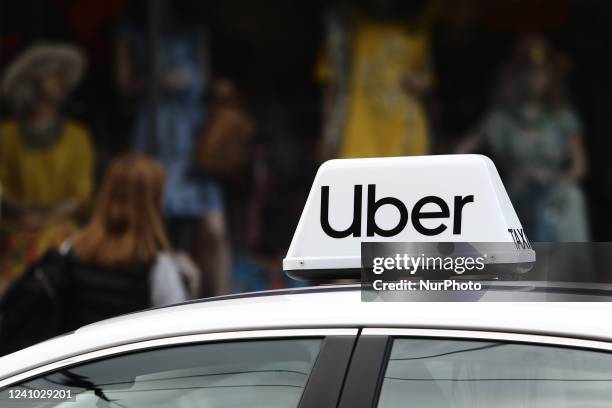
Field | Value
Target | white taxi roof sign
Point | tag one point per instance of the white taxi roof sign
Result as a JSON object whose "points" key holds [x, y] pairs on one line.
{"points": [[443, 198]]}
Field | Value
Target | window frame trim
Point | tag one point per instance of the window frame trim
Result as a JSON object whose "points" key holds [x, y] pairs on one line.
{"points": [[172, 341], [359, 398], [543, 339], [366, 370], [325, 382]]}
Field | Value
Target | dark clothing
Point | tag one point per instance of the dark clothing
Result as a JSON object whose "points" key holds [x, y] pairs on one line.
{"points": [[30, 309], [61, 293], [98, 293]]}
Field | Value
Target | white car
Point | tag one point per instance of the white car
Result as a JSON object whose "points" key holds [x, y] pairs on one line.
{"points": [[324, 347], [522, 344]]}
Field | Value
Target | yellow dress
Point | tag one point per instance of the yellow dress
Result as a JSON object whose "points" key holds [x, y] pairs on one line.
{"points": [[382, 119], [44, 177]]}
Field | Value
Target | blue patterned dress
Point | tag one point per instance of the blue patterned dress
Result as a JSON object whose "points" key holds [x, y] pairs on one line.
{"points": [[180, 116]]}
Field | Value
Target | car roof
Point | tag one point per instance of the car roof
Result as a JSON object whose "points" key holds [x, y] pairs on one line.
{"points": [[332, 307]]}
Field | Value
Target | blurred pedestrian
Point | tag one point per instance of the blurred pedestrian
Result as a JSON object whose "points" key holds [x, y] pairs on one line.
{"points": [[535, 137], [120, 262], [168, 128], [376, 69], [125, 241], [46, 158], [225, 144]]}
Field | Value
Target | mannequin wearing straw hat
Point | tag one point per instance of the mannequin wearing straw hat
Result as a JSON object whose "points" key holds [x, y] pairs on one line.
{"points": [[46, 159]]}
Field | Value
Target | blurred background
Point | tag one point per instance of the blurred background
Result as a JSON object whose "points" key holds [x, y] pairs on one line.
{"points": [[240, 101]]}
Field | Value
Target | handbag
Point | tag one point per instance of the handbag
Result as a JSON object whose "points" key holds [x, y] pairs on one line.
{"points": [[31, 309], [224, 145]]}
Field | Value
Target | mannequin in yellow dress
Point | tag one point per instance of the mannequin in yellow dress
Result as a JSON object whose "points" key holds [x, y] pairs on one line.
{"points": [[374, 92], [46, 160]]}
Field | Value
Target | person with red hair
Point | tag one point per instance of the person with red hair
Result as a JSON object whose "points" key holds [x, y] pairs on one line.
{"points": [[120, 262]]}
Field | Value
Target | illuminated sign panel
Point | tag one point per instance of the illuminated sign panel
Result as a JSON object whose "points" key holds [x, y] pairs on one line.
{"points": [[453, 198]]}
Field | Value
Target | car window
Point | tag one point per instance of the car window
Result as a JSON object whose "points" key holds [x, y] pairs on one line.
{"points": [[460, 373], [269, 373]]}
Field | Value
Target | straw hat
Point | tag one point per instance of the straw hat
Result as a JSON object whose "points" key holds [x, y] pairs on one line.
{"points": [[20, 80]]}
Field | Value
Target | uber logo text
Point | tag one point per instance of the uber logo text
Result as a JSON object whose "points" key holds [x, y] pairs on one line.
{"points": [[373, 205]]}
